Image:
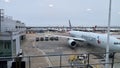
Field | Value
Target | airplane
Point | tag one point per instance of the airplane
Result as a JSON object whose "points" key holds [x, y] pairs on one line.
{"points": [[95, 39]]}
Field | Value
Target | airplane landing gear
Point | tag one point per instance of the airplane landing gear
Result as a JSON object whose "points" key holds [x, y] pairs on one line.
{"points": [[111, 55]]}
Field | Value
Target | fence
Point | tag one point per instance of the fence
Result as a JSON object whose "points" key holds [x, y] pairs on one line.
{"points": [[88, 60]]}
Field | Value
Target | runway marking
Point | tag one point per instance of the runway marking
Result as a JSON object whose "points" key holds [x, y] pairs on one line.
{"points": [[47, 59]]}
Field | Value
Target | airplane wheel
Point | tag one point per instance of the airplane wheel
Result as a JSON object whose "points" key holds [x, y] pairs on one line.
{"points": [[89, 66], [111, 55]]}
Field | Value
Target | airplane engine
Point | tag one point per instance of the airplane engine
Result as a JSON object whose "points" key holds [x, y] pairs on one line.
{"points": [[72, 43]]}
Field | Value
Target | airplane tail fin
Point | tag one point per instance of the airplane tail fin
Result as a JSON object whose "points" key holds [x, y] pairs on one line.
{"points": [[70, 26]]}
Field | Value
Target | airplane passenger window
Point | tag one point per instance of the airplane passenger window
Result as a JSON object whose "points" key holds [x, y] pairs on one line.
{"points": [[117, 43]]}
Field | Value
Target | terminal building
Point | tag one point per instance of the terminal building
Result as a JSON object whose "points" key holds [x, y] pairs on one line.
{"points": [[12, 33]]}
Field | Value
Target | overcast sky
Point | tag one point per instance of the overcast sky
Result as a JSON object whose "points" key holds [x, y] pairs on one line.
{"points": [[58, 12]]}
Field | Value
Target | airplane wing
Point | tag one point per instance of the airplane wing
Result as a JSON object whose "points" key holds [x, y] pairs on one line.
{"points": [[68, 37]]}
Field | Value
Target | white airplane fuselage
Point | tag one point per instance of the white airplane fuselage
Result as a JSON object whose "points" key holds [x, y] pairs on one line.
{"points": [[99, 40]]}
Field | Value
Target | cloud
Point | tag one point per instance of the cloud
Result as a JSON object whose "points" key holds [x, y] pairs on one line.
{"points": [[7, 1], [89, 9], [51, 5]]}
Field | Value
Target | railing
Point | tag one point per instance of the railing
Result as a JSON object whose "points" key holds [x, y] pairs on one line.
{"points": [[89, 60]]}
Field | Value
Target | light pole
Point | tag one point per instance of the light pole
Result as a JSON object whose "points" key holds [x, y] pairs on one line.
{"points": [[108, 35], [1, 18]]}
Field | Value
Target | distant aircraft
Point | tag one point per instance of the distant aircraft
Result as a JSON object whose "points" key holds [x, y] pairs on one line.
{"points": [[95, 39]]}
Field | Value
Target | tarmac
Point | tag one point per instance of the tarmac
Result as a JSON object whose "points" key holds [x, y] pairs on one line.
{"points": [[32, 48]]}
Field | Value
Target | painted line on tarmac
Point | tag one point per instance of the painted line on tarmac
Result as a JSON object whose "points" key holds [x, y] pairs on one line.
{"points": [[47, 59]]}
